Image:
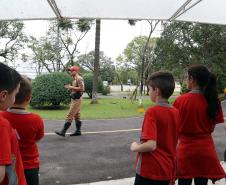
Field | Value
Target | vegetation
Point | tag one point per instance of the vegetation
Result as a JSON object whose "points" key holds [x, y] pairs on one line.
{"points": [[59, 45], [49, 89], [107, 68], [12, 39], [106, 109], [106, 90], [88, 80], [182, 44]]}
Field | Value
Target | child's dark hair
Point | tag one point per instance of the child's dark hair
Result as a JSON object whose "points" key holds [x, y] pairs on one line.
{"points": [[9, 78], [164, 81], [24, 91], [208, 84]]}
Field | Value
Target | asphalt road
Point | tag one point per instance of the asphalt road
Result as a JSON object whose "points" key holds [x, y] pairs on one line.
{"points": [[101, 153]]}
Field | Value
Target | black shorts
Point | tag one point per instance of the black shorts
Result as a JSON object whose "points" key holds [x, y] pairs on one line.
{"points": [[32, 176], [144, 181]]}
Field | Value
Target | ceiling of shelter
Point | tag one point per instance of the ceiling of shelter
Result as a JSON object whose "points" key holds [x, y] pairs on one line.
{"points": [[206, 11]]}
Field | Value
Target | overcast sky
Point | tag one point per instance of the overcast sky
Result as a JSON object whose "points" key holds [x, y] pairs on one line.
{"points": [[115, 35]]}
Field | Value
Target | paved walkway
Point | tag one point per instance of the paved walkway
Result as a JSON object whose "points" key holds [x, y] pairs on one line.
{"points": [[130, 181]]}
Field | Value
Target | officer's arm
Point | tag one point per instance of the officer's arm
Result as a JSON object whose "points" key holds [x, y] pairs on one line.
{"points": [[75, 88]]}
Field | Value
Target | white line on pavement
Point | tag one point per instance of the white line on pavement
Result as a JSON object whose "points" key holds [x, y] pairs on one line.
{"points": [[100, 132]]}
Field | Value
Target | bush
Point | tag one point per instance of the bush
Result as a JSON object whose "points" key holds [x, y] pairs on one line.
{"points": [[88, 80], [106, 90], [184, 88], [221, 83], [49, 89]]}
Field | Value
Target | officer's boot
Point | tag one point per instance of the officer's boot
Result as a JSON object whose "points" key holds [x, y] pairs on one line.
{"points": [[77, 132], [64, 129]]}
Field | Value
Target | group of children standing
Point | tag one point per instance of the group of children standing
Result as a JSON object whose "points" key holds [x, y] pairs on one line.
{"points": [[175, 141], [19, 161]]}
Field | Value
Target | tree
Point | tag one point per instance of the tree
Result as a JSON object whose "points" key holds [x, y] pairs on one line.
{"points": [[182, 44], [124, 72], [107, 68], [44, 55], [96, 62], [138, 55], [58, 48], [71, 33], [12, 39]]}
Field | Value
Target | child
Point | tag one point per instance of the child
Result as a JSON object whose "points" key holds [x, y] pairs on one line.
{"points": [[11, 166], [30, 128], [157, 150], [200, 110]]}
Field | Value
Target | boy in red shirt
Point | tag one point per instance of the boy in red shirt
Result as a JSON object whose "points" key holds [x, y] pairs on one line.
{"points": [[30, 128], [11, 166], [200, 110], [157, 150]]}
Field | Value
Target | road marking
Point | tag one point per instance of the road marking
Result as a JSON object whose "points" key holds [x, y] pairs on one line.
{"points": [[100, 132], [106, 119]]}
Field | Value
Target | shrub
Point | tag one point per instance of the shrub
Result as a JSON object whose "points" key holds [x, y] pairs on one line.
{"points": [[221, 83], [88, 80], [106, 90], [49, 89], [184, 88]]}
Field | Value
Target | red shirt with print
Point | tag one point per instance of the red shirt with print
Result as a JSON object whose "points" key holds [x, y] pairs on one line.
{"points": [[161, 125], [10, 155], [30, 128]]}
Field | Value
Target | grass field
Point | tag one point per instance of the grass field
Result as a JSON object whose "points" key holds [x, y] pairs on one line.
{"points": [[107, 108]]}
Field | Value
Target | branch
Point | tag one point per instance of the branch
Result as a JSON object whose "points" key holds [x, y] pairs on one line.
{"points": [[67, 48], [79, 39]]}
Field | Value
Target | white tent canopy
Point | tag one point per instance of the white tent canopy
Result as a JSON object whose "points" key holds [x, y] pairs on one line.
{"points": [[206, 11]]}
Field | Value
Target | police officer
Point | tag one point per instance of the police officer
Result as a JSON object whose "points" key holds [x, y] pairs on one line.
{"points": [[77, 89]]}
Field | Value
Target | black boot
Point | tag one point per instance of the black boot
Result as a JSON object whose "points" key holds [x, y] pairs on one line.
{"points": [[64, 129], [77, 132]]}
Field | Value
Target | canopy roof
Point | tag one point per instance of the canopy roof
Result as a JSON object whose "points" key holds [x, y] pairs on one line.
{"points": [[206, 11]]}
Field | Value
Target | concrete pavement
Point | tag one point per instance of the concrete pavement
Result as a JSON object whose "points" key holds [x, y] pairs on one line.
{"points": [[100, 155], [130, 181]]}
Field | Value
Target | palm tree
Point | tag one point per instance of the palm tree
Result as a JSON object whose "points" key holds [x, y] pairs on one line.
{"points": [[96, 62]]}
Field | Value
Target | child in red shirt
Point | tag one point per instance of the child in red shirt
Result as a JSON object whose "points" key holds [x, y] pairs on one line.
{"points": [[155, 163], [200, 110], [30, 128], [11, 166]]}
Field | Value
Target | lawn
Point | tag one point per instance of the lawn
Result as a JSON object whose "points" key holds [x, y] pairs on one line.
{"points": [[107, 108]]}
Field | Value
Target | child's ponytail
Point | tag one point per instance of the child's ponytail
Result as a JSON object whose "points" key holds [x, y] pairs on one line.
{"points": [[210, 93], [208, 85]]}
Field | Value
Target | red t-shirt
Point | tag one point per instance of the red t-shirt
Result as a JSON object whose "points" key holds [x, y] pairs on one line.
{"points": [[10, 155], [193, 111], [160, 124], [30, 128], [196, 154]]}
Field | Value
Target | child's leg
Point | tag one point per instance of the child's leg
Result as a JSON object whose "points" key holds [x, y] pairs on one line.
{"points": [[184, 181], [32, 177], [139, 180], [201, 181]]}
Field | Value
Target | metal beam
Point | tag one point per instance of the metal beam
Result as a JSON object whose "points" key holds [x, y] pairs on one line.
{"points": [[55, 9], [184, 8]]}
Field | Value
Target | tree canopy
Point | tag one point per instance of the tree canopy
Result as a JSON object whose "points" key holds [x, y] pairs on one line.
{"points": [[183, 44]]}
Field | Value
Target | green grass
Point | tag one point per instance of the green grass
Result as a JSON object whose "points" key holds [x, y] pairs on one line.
{"points": [[105, 109]]}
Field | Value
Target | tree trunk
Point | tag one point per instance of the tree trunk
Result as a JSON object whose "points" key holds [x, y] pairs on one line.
{"points": [[96, 62], [58, 48]]}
